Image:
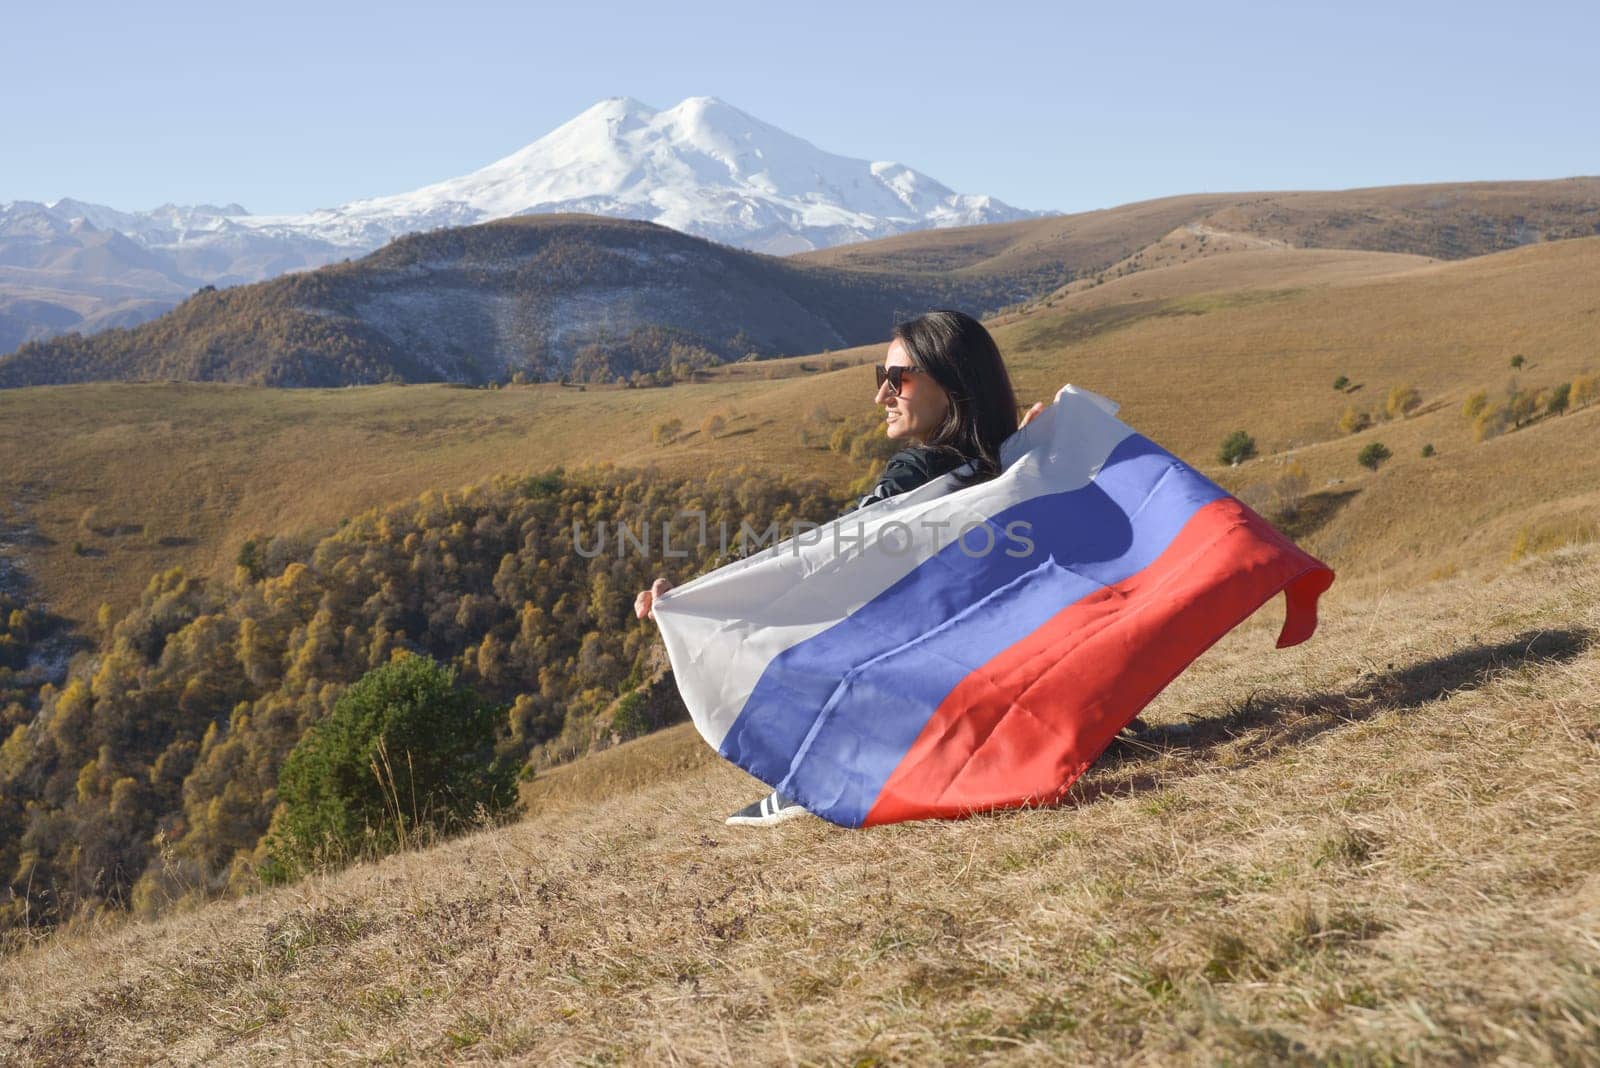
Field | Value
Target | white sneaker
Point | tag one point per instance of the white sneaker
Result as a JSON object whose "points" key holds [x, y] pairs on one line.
{"points": [[770, 810]]}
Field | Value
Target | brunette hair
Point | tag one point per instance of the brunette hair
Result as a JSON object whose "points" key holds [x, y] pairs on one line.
{"points": [[958, 353]]}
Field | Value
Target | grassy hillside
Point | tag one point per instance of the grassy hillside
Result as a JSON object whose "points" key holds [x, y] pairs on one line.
{"points": [[1377, 848], [1448, 221], [144, 477]]}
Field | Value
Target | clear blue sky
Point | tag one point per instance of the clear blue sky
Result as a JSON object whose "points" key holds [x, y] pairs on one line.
{"points": [[1045, 105]]}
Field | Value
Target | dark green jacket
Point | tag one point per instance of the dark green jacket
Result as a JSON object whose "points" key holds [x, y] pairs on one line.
{"points": [[906, 470]]}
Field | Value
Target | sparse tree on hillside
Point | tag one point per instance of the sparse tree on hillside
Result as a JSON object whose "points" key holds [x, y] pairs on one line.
{"points": [[1521, 404], [1585, 388], [1280, 499], [1237, 447], [1559, 399], [1372, 454], [1341, 382], [1475, 403], [667, 431], [1489, 422], [1402, 401], [1353, 421], [712, 425], [1518, 361]]}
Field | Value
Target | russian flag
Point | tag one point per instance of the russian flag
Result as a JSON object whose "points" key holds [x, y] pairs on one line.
{"points": [[955, 649]]}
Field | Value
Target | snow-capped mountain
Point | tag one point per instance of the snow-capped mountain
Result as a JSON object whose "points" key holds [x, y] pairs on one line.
{"points": [[703, 167]]}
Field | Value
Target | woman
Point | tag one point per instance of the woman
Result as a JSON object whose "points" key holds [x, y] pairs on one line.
{"points": [[947, 396]]}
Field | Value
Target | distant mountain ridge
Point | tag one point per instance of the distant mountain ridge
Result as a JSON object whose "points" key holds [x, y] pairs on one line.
{"points": [[703, 167], [545, 296]]}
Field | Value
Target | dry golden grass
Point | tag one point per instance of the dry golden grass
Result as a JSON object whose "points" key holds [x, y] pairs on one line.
{"points": [[1251, 338], [183, 473], [1380, 847], [1452, 220]]}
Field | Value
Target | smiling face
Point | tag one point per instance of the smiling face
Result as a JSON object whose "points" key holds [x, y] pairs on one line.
{"points": [[917, 412]]}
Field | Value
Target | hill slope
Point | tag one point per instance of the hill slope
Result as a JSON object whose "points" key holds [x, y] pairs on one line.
{"points": [[1378, 847], [183, 474], [1447, 221], [540, 295]]}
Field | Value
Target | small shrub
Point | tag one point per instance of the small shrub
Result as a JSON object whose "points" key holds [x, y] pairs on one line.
{"points": [[1341, 382], [1518, 361], [1402, 401], [1585, 388], [1372, 454], [1352, 421], [1521, 404], [667, 431], [712, 425], [1237, 447], [1490, 422], [251, 559], [1428, 450], [1475, 403], [404, 749], [631, 718], [1281, 498]]}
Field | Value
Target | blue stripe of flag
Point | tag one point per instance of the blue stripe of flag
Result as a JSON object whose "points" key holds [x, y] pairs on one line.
{"points": [[831, 717]]}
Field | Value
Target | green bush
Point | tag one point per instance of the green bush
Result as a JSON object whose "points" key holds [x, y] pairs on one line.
{"points": [[405, 751], [1559, 400], [632, 717], [1341, 382], [1237, 447], [1372, 454], [1428, 450]]}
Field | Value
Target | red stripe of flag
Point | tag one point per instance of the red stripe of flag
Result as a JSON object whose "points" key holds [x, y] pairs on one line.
{"points": [[1023, 727]]}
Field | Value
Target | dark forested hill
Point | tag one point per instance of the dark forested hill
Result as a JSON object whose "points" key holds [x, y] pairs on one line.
{"points": [[543, 296], [175, 735]]}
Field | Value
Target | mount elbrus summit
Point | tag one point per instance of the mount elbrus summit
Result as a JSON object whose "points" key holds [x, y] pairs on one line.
{"points": [[703, 168]]}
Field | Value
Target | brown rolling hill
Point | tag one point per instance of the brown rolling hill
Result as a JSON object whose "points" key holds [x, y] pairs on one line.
{"points": [[597, 300], [1446, 221], [113, 482]]}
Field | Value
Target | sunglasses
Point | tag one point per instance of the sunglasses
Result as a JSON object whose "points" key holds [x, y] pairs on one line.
{"points": [[894, 376]]}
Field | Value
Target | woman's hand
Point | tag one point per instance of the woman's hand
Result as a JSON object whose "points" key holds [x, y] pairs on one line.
{"points": [[1027, 416], [644, 605]]}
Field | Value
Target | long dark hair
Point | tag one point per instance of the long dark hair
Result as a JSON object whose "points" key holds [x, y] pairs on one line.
{"points": [[958, 353]]}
